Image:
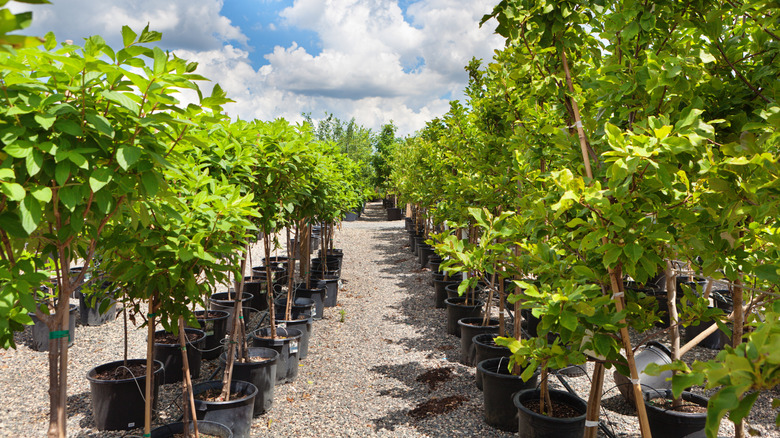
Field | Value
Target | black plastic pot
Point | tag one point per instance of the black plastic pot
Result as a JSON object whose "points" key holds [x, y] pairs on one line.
{"points": [[286, 344], [204, 427], [413, 239], [215, 327], [498, 386], [304, 324], [714, 341], [440, 289], [261, 373], [470, 327], [278, 274], [332, 264], [331, 284], [530, 322], [40, 331], [236, 413], [394, 214], [652, 352], [318, 273], [486, 348], [259, 290], [533, 425], [90, 304], [457, 309], [315, 294], [277, 261], [225, 301], [419, 241], [119, 404], [170, 356], [426, 251], [300, 307], [674, 424]]}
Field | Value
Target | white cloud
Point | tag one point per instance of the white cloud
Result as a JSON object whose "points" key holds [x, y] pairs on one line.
{"points": [[373, 65]]}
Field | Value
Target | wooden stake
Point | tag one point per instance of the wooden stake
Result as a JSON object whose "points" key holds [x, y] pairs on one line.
{"points": [[594, 400], [189, 402], [150, 321]]}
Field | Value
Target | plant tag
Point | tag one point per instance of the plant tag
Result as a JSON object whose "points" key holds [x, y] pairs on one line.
{"points": [[130, 425], [314, 311], [210, 333], [293, 347]]}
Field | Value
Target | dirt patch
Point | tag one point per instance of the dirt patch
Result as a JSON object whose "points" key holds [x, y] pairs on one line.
{"points": [[559, 410], [691, 408], [437, 406], [213, 395], [435, 376], [171, 339]]}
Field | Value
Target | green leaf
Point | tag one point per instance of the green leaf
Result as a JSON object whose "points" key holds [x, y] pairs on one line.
{"points": [[43, 194], [68, 127], [30, 213], [70, 197], [99, 178], [633, 251], [767, 273], [121, 100], [160, 61], [127, 156], [101, 124], [128, 36], [45, 120], [34, 162], [14, 191], [19, 150], [611, 254], [62, 172], [150, 183]]}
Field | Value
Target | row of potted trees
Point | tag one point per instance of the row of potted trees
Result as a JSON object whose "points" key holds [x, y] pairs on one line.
{"points": [[102, 163], [600, 156]]}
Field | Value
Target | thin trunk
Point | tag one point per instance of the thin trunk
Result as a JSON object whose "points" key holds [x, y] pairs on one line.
{"points": [[269, 286], [124, 320], [501, 319], [291, 268], [149, 393], [238, 320], [545, 406], [736, 338], [594, 401], [188, 398], [674, 328]]}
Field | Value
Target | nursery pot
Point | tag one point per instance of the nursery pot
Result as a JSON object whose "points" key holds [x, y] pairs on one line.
{"points": [[318, 273], [40, 331], [204, 427], [286, 344], [457, 309], [118, 403], [259, 290], [304, 324], [470, 327], [675, 424], [652, 352], [214, 324], [485, 348], [89, 305], [498, 386], [332, 264], [260, 371], [426, 251], [434, 261], [277, 261], [533, 425], [394, 214], [278, 274], [315, 294], [235, 413], [300, 307], [440, 287], [331, 284], [351, 216], [714, 341], [170, 355], [226, 301], [413, 239]]}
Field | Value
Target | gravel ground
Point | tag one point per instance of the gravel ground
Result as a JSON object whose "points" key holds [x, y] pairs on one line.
{"points": [[360, 377]]}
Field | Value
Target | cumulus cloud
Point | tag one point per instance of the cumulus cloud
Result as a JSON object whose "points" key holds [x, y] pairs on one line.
{"points": [[375, 62]]}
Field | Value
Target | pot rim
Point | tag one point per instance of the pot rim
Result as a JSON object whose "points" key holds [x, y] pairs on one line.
{"points": [[95, 380], [564, 394], [186, 329]]}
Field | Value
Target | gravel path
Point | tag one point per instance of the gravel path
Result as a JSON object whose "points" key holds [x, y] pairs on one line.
{"points": [[359, 379]]}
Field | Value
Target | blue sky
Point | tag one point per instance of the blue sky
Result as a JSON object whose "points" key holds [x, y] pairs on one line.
{"points": [[374, 60]]}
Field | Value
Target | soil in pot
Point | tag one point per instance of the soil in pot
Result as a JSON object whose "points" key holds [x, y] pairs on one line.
{"points": [[236, 413], [470, 327], [688, 421], [286, 344], [567, 421], [206, 429], [168, 351], [117, 393], [458, 308], [485, 348], [259, 370], [498, 386], [214, 324]]}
